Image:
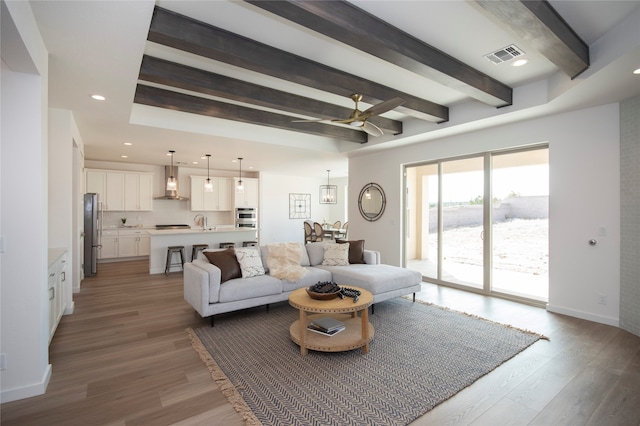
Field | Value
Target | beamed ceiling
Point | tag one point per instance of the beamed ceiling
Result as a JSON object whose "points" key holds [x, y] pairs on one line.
{"points": [[175, 86], [265, 80]]}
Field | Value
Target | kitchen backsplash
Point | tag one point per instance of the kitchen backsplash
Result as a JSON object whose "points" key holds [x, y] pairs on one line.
{"points": [[166, 212]]}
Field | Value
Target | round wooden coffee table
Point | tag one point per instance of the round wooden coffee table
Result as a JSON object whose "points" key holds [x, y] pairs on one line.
{"points": [[358, 331]]}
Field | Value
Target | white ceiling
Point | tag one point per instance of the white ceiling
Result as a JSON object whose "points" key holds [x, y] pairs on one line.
{"points": [[97, 47]]}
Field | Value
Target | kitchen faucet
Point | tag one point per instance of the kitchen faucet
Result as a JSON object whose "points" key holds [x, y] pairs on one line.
{"points": [[202, 220]]}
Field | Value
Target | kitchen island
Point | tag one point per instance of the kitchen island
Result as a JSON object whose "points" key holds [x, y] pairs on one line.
{"points": [[161, 239]]}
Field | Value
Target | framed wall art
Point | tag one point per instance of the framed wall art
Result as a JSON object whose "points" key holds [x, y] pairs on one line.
{"points": [[299, 206]]}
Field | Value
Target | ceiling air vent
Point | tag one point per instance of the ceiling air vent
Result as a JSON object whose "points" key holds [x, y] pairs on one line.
{"points": [[505, 54]]}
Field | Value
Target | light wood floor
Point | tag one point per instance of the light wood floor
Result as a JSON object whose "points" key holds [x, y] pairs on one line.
{"points": [[123, 358]]}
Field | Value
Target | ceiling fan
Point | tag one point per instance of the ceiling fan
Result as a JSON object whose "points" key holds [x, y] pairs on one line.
{"points": [[360, 119]]}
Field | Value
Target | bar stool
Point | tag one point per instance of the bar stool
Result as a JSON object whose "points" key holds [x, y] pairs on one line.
{"points": [[249, 243], [171, 250], [227, 245], [197, 248]]}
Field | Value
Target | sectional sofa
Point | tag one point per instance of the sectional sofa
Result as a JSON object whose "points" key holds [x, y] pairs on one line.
{"points": [[213, 289]]}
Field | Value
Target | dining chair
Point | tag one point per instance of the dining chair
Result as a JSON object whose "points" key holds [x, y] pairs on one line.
{"points": [[319, 231], [308, 233], [336, 224], [345, 233]]}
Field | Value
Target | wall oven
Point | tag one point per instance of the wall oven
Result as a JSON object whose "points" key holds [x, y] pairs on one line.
{"points": [[246, 217]]}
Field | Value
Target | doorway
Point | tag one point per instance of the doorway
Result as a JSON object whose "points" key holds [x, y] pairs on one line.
{"points": [[481, 222]]}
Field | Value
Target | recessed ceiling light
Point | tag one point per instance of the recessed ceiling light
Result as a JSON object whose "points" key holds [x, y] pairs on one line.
{"points": [[636, 71], [520, 62], [194, 162], [127, 143], [124, 156], [98, 97]]}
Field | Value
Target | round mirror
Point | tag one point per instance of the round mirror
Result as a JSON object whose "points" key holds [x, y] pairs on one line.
{"points": [[371, 201]]}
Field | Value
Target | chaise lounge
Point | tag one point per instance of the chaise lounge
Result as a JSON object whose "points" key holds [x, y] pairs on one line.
{"points": [[222, 281]]}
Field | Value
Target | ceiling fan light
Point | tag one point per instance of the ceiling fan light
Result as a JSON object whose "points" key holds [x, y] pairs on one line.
{"points": [[357, 123]]}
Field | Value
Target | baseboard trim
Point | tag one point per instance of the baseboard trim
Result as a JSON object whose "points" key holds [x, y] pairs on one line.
{"points": [[584, 315], [35, 389]]}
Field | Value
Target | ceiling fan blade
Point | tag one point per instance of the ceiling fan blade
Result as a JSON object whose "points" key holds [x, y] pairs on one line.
{"points": [[372, 129], [317, 120], [383, 107]]}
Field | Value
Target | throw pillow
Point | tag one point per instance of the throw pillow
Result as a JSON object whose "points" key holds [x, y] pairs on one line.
{"points": [[226, 261], [336, 254], [316, 252], [250, 262], [356, 250]]}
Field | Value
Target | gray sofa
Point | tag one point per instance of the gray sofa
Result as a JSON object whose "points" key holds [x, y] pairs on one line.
{"points": [[208, 296]]}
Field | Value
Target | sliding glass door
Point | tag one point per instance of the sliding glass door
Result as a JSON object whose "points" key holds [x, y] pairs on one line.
{"points": [[481, 222]]}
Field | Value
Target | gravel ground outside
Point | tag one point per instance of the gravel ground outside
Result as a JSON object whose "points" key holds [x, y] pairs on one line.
{"points": [[519, 245]]}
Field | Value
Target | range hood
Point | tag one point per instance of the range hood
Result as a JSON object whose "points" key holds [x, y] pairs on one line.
{"points": [[173, 194]]}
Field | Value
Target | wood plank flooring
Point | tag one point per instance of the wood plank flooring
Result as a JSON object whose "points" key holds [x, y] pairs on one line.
{"points": [[123, 358]]}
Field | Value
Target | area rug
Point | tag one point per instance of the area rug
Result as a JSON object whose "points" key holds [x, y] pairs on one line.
{"points": [[420, 356]]}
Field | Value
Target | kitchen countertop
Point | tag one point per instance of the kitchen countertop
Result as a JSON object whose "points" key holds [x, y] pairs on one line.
{"points": [[219, 230]]}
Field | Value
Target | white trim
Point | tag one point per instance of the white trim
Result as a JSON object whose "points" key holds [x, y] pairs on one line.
{"points": [[35, 389], [584, 315]]}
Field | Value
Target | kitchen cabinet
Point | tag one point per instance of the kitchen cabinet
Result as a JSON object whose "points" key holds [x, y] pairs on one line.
{"points": [[120, 190], [57, 292], [138, 192], [249, 196], [133, 243], [124, 243], [218, 200], [109, 245]]}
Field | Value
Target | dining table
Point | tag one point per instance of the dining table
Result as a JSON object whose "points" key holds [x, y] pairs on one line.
{"points": [[333, 233]]}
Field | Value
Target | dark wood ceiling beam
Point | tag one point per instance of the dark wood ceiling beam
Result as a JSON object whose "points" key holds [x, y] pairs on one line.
{"points": [[351, 25], [539, 24], [183, 33], [196, 80], [154, 96]]}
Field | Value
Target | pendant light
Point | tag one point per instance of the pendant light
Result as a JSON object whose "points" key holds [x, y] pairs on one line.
{"points": [[172, 185], [328, 192], [240, 186], [208, 185]]}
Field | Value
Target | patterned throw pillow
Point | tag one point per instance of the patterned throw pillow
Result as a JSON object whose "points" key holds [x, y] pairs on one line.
{"points": [[336, 254], [356, 250], [250, 262]]}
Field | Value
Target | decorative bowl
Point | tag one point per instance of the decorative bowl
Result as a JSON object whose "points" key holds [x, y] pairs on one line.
{"points": [[322, 296]]}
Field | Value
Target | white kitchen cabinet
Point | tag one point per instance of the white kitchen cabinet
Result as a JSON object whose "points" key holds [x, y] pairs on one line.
{"points": [[114, 198], [122, 191], [133, 243], [97, 183], [138, 192], [218, 200], [249, 196], [57, 293], [109, 245]]}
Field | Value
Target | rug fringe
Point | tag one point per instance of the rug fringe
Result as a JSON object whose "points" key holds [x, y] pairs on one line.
{"points": [[524, 330], [225, 385]]}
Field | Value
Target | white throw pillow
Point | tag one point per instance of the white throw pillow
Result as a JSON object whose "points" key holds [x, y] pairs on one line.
{"points": [[250, 262], [336, 254]]}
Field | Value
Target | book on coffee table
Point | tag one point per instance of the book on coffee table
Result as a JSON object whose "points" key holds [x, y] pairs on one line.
{"points": [[326, 324], [325, 333]]}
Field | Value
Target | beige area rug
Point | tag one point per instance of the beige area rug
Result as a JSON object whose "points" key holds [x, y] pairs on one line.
{"points": [[421, 355]]}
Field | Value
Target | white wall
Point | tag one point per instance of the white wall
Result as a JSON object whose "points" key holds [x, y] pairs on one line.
{"points": [[23, 190], [275, 225], [63, 223], [584, 196]]}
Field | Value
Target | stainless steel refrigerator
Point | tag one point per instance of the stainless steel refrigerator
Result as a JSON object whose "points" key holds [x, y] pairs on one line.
{"points": [[92, 233]]}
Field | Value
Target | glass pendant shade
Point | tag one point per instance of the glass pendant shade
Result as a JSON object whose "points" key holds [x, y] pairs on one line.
{"points": [[172, 184], [208, 185], [240, 185]]}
